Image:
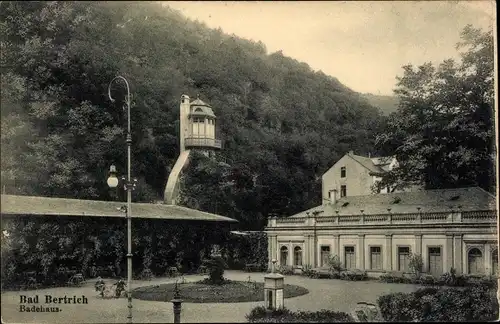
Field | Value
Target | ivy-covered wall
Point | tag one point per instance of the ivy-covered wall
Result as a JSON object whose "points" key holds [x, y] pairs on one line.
{"points": [[43, 245]]}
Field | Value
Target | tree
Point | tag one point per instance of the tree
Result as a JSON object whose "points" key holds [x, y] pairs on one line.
{"points": [[442, 134]]}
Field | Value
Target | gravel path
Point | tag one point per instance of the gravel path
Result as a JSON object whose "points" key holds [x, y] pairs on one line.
{"points": [[323, 294]]}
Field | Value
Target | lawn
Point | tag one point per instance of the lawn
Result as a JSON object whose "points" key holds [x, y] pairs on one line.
{"points": [[200, 292]]}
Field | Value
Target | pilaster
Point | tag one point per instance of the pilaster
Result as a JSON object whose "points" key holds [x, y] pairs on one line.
{"points": [[361, 249], [487, 259], [270, 252], [388, 255], [418, 244], [457, 254], [449, 253], [336, 247]]}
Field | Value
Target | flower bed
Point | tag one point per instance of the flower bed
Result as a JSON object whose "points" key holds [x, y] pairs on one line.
{"points": [[203, 292]]}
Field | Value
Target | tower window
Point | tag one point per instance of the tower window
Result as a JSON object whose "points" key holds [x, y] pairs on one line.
{"points": [[342, 172]]}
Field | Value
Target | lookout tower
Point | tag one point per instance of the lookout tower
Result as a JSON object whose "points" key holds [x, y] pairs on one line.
{"points": [[197, 126], [196, 132]]}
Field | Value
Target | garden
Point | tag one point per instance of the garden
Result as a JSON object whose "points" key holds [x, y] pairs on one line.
{"points": [[213, 289]]}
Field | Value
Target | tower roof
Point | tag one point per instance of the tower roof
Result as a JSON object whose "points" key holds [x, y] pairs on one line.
{"points": [[201, 108], [199, 102]]}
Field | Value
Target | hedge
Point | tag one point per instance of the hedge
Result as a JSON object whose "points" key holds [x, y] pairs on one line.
{"points": [[440, 304], [447, 279], [262, 315]]}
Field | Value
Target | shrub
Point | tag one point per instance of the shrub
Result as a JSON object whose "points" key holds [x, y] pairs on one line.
{"points": [[416, 264], [307, 271], [354, 275], [443, 304], [146, 274], [427, 279], [393, 277], [284, 270], [448, 278], [216, 267], [262, 315], [334, 264]]}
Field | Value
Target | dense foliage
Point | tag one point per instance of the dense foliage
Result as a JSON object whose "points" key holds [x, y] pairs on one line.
{"points": [[248, 252], [440, 305], [44, 247], [282, 124], [283, 315], [443, 132]]}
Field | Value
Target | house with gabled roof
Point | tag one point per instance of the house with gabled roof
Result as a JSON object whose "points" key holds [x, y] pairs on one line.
{"points": [[356, 175], [377, 233]]}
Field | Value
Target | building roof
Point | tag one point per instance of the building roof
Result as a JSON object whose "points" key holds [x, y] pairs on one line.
{"points": [[200, 108], [199, 102], [429, 201], [31, 205], [374, 165]]}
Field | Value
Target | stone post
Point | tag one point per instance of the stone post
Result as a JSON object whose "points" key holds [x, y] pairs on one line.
{"points": [[273, 289], [177, 301]]}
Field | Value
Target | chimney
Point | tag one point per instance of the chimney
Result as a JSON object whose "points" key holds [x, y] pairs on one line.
{"points": [[332, 194], [351, 153]]}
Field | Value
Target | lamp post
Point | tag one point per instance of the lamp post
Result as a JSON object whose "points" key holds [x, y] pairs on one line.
{"points": [[129, 186]]}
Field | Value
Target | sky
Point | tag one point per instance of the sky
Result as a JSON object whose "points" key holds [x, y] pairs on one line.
{"points": [[362, 44]]}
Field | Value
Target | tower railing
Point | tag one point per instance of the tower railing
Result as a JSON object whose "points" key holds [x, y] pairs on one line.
{"points": [[202, 142]]}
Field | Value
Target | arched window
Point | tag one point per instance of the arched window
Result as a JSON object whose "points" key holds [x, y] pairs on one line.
{"points": [[494, 258], [283, 255], [476, 262], [297, 256]]}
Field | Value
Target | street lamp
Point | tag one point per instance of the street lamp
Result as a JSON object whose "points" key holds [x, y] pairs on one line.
{"points": [[129, 186]]}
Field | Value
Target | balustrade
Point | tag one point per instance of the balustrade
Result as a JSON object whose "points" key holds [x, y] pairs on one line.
{"points": [[447, 217]]}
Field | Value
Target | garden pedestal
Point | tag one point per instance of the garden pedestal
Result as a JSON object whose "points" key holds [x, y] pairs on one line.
{"points": [[273, 291]]}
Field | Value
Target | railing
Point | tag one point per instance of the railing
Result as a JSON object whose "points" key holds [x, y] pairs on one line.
{"points": [[483, 215], [487, 216], [202, 142]]}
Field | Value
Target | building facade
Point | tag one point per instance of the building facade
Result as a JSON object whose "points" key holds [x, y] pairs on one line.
{"points": [[378, 233], [356, 175]]}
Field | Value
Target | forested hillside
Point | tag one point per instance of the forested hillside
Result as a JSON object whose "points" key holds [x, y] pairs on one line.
{"points": [[282, 124], [386, 104]]}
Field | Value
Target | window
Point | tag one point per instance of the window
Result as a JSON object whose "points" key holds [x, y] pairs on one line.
{"points": [[350, 257], [403, 258], [283, 256], [435, 261], [494, 258], [375, 258], [325, 255], [343, 191], [297, 256], [476, 263], [342, 172]]}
